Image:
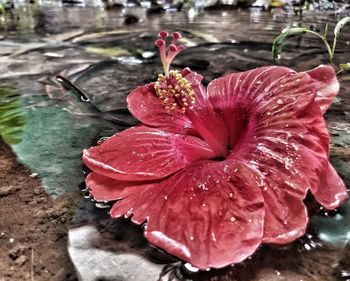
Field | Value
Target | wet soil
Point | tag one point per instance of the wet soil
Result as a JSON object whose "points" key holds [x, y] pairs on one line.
{"points": [[33, 226]]}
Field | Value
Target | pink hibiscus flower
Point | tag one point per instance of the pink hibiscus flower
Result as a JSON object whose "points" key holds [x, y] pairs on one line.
{"points": [[213, 173]]}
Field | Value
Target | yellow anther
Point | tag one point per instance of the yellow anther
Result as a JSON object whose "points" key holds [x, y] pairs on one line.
{"points": [[174, 91]]}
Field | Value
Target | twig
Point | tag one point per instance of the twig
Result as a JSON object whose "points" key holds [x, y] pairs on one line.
{"points": [[32, 266]]}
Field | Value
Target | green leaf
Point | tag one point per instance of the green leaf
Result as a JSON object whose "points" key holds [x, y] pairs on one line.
{"points": [[344, 66], [340, 25], [279, 41], [11, 115]]}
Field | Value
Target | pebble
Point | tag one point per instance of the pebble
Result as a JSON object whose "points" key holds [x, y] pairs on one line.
{"points": [[17, 251], [21, 260], [33, 175], [7, 190]]}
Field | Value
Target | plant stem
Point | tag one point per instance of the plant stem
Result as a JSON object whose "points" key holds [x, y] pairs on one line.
{"points": [[339, 71], [325, 42], [334, 44]]}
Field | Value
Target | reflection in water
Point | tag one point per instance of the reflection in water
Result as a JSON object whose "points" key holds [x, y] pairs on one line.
{"points": [[83, 45]]}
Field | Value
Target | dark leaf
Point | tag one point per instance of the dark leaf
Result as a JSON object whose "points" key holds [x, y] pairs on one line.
{"points": [[279, 41], [340, 25]]}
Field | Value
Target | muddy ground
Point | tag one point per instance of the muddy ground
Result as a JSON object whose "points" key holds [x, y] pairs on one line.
{"points": [[33, 227]]}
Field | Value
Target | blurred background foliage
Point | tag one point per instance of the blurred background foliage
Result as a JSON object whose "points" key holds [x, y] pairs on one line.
{"points": [[11, 115]]}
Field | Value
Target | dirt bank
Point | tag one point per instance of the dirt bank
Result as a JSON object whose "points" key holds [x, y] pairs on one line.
{"points": [[33, 227]]}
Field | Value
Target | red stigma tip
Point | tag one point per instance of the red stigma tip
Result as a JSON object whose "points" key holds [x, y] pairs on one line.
{"points": [[159, 43], [172, 48], [163, 34], [177, 35], [168, 53]]}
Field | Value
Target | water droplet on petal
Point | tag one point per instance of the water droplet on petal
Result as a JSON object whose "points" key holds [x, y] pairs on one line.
{"points": [[225, 169], [190, 268], [279, 101], [191, 238], [233, 219], [230, 195]]}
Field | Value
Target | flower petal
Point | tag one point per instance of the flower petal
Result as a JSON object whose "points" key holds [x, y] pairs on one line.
{"points": [[262, 95], [146, 107], [103, 188], [292, 162], [326, 84], [277, 140], [332, 190], [285, 213], [286, 224], [142, 153], [210, 214]]}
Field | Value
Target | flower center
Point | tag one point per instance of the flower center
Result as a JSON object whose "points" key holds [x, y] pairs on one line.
{"points": [[174, 92], [172, 89]]}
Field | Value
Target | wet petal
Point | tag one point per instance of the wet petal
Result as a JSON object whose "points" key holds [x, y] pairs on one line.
{"points": [[292, 162], [285, 213], [293, 159], [326, 84], [142, 153], [210, 214], [146, 107], [263, 95], [103, 188], [289, 223], [332, 190], [277, 139]]}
